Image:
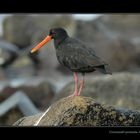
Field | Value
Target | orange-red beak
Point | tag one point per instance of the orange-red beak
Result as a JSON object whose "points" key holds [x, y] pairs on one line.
{"points": [[41, 44]]}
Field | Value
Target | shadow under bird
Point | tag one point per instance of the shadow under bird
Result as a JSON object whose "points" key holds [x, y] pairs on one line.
{"points": [[73, 54]]}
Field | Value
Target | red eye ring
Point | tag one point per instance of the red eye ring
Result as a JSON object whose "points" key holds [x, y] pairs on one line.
{"points": [[53, 32]]}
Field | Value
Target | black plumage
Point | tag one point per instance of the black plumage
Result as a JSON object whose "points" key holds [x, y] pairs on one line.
{"points": [[75, 55]]}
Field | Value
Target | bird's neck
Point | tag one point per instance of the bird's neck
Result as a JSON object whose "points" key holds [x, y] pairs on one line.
{"points": [[59, 41]]}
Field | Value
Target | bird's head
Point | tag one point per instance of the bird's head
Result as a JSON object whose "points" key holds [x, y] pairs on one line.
{"points": [[54, 33], [57, 33]]}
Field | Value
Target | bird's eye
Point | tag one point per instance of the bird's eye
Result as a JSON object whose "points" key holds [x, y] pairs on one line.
{"points": [[53, 32]]}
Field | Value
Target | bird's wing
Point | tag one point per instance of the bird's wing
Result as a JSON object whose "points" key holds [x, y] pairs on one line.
{"points": [[79, 56]]}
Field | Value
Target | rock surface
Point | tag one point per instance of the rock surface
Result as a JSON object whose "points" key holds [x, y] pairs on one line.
{"points": [[109, 26], [82, 111], [113, 37], [24, 30], [40, 94], [27, 30], [120, 52], [119, 89], [10, 117]]}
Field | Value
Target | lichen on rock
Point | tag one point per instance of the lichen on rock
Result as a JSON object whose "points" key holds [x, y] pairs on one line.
{"points": [[83, 111]]}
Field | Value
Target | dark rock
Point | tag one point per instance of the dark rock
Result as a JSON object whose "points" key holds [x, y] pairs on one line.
{"points": [[91, 33], [119, 89], [82, 111], [121, 55], [6, 92], [40, 94], [10, 117], [24, 30], [17, 29], [125, 24], [7, 46], [8, 53], [111, 36], [28, 30], [109, 27], [2, 75]]}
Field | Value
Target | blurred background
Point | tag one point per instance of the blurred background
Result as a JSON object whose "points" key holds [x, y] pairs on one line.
{"points": [[29, 83]]}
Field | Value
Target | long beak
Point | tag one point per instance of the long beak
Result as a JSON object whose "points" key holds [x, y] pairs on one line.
{"points": [[41, 44]]}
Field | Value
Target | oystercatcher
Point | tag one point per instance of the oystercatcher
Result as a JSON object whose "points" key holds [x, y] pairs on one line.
{"points": [[73, 54]]}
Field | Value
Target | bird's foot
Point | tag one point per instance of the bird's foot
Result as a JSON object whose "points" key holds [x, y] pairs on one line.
{"points": [[75, 94]]}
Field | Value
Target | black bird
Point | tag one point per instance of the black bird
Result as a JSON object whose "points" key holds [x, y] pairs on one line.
{"points": [[74, 55]]}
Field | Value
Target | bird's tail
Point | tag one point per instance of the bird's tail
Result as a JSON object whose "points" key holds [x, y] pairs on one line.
{"points": [[104, 69], [107, 69]]}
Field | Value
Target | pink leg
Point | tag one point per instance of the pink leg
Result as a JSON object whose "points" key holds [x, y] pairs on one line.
{"points": [[76, 84], [81, 84]]}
